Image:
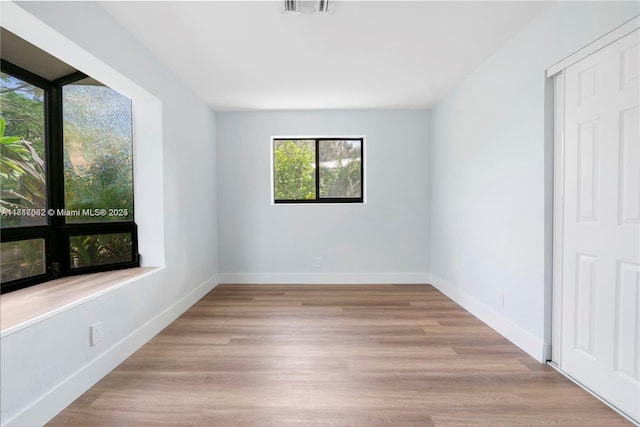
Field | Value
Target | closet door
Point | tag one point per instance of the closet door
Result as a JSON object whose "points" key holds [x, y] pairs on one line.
{"points": [[600, 308]]}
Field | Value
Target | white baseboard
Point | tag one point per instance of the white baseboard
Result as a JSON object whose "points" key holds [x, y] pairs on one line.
{"points": [[324, 278], [55, 400], [528, 342]]}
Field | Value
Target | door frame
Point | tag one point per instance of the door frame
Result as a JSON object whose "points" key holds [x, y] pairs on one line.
{"points": [[558, 213]]}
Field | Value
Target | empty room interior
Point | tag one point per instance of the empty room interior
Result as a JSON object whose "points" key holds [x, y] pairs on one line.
{"points": [[320, 213]]}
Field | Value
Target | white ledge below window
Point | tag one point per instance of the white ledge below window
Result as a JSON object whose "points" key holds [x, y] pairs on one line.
{"points": [[24, 307]]}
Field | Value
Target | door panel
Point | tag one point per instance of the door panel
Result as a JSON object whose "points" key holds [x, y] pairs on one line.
{"points": [[627, 344], [601, 210], [629, 172]]}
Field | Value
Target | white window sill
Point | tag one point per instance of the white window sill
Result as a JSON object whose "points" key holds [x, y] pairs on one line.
{"points": [[25, 307]]}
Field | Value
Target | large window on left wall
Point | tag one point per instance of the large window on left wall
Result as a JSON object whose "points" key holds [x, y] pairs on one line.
{"points": [[66, 171]]}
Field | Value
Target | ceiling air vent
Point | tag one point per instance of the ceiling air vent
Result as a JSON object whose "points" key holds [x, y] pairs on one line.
{"points": [[308, 6], [291, 6], [322, 6]]}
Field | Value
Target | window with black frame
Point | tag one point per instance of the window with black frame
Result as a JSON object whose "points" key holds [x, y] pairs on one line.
{"points": [[66, 196], [318, 170]]}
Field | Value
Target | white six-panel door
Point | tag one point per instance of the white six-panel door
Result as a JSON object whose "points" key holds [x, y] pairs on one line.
{"points": [[600, 308]]}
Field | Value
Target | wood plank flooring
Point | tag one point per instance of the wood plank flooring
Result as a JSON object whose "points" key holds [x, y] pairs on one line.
{"points": [[332, 355]]}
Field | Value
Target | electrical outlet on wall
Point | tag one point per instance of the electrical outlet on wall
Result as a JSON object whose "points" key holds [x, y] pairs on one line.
{"points": [[501, 299], [95, 333], [318, 261]]}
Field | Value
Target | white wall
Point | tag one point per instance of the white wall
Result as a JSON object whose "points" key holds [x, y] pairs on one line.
{"points": [[47, 365], [380, 241], [491, 170]]}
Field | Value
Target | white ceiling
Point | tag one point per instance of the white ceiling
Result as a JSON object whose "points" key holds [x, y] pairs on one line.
{"points": [[248, 55]]}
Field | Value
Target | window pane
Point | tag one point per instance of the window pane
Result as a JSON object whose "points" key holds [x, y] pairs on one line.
{"points": [[340, 168], [293, 166], [22, 167], [100, 249], [23, 258], [98, 165]]}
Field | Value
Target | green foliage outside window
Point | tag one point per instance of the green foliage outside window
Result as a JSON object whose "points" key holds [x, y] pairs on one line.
{"points": [[340, 168], [344, 180], [294, 174], [22, 168], [90, 250], [98, 163], [23, 176]]}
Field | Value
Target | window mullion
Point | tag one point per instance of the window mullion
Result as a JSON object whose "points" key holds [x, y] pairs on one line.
{"points": [[317, 169], [362, 170], [55, 176], [55, 164]]}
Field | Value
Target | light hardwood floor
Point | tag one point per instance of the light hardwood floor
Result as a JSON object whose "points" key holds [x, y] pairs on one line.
{"points": [[330, 355]]}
